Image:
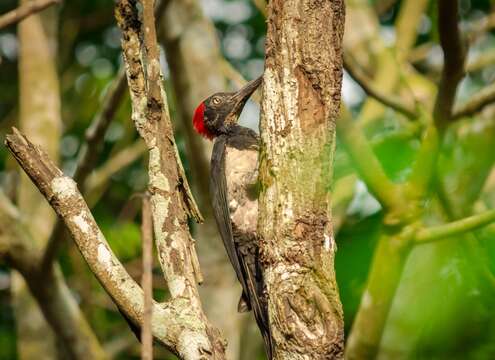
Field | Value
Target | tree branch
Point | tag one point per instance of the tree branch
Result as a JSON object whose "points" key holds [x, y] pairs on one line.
{"points": [[172, 324], [481, 61], [476, 103], [24, 11], [88, 154], [170, 195], [454, 228], [424, 166], [453, 67], [388, 100]]}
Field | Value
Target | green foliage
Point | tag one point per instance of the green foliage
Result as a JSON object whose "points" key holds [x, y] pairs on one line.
{"points": [[124, 239]]}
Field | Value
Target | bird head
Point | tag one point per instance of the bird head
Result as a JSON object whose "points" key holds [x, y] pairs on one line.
{"points": [[217, 114]]}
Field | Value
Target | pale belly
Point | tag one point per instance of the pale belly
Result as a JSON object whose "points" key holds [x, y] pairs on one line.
{"points": [[241, 168]]}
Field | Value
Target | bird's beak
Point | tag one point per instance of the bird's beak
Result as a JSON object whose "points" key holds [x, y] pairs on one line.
{"points": [[241, 97]]}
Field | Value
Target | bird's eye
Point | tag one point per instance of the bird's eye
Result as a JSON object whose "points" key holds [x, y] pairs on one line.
{"points": [[216, 100]]}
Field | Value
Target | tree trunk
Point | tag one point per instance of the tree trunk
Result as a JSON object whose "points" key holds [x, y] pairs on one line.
{"points": [[39, 118], [301, 100]]}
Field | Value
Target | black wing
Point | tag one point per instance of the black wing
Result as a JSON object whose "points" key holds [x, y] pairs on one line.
{"points": [[218, 189]]}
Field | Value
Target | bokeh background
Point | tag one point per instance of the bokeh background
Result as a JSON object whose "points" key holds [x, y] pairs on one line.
{"points": [[443, 307]]}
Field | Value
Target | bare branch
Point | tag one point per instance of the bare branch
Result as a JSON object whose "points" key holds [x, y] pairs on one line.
{"points": [[389, 100], [171, 322], [476, 103], [147, 278], [24, 11], [100, 177], [453, 67]]}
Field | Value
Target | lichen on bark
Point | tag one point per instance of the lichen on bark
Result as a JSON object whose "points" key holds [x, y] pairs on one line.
{"points": [[301, 99]]}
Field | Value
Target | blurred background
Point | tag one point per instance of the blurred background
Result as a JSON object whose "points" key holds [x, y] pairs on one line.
{"points": [[58, 73]]}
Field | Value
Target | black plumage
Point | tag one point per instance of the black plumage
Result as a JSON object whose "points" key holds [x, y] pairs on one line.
{"points": [[235, 207]]}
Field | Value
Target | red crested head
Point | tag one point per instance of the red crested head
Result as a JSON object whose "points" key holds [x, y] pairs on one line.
{"points": [[199, 122], [219, 113]]}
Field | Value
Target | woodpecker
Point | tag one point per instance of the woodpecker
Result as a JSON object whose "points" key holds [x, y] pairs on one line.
{"points": [[233, 180]]}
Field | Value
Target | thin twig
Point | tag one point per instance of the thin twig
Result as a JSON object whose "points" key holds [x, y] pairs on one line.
{"points": [[389, 100], [100, 177], [96, 131], [476, 103], [481, 61], [88, 155], [480, 27], [455, 228], [147, 278], [453, 65], [24, 11]]}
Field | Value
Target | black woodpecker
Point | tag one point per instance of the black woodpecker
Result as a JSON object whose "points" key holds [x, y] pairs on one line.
{"points": [[233, 179]]}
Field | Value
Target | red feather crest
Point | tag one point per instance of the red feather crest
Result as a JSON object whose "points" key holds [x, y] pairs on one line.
{"points": [[199, 122]]}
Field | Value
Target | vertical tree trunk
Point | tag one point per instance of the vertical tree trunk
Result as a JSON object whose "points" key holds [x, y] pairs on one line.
{"points": [[39, 119], [301, 99], [193, 54]]}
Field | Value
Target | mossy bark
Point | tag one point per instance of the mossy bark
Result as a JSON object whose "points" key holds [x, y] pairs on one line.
{"points": [[301, 100]]}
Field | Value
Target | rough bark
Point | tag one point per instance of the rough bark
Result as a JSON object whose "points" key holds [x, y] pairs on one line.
{"points": [[170, 196], [39, 117], [301, 89], [194, 58], [174, 323]]}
